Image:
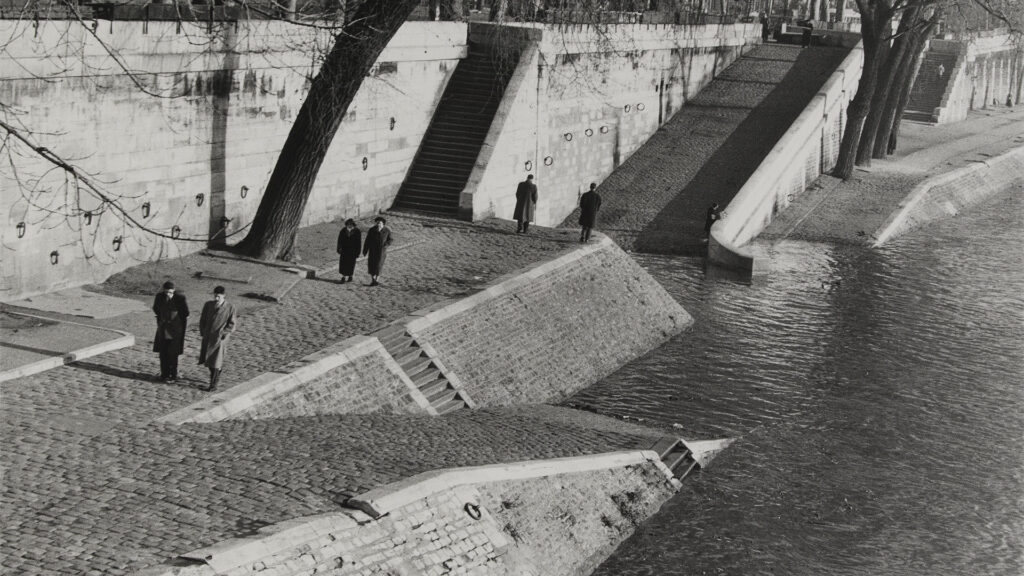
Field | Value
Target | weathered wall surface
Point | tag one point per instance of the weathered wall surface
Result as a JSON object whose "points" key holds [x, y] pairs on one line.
{"points": [[809, 148], [222, 107], [947, 194], [553, 330], [585, 100], [355, 376], [989, 69], [560, 522]]}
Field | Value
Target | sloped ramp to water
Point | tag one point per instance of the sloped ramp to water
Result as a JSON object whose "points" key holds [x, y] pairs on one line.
{"points": [[657, 200]]}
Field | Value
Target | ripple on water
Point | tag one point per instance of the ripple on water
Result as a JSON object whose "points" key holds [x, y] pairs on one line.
{"points": [[879, 400]]}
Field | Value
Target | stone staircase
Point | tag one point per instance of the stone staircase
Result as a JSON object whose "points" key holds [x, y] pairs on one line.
{"points": [[456, 133], [421, 369], [675, 455], [929, 87]]}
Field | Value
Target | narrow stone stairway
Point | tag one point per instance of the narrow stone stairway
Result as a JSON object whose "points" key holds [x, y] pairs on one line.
{"points": [[929, 87], [421, 369], [675, 455], [456, 133]]}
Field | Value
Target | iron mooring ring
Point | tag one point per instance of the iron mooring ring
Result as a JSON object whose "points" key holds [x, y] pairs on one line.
{"points": [[21, 229], [54, 257], [145, 209], [245, 191], [472, 510], [200, 198], [175, 231], [529, 165], [117, 243]]}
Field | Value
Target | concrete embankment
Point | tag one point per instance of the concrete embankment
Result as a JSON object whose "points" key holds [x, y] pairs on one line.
{"points": [[948, 194], [536, 335]]}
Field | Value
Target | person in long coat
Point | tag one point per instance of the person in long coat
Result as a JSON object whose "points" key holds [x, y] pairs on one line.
{"points": [[526, 201], [375, 248], [590, 203], [216, 323], [171, 309], [349, 242]]}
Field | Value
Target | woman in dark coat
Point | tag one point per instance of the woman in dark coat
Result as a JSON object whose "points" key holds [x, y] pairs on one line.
{"points": [[375, 248], [171, 311], [349, 242], [590, 203]]}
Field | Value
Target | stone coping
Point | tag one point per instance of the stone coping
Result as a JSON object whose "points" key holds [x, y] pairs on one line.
{"points": [[381, 500], [900, 222], [123, 340]]}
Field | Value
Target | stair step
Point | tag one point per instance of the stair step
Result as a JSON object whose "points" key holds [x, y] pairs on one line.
{"points": [[412, 209], [395, 342], [434, 387], [433, 186], [390, 331], [450, 406], [674, 459], [421, 379], [415, 364], [443, 395], [410, 355], [664, 446]]}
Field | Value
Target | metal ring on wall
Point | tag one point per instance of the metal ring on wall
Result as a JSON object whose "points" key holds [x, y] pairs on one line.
{"points": [[244, 191], [589, 132], [568, 136], [175, 231], [54, 257], [604, 129], [529, 165], [200, 198], [21, 229], [117, 243], [548, 160], [366, 162], [145, 209], [641, 107], [626, 108]]}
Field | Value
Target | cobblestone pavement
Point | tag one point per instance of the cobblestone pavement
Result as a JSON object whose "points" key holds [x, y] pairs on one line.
{"points": [[139, 495], [91, 484], [657, 200]]}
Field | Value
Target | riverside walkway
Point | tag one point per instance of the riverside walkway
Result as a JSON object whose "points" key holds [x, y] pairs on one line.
{"points": [[657, 200]]}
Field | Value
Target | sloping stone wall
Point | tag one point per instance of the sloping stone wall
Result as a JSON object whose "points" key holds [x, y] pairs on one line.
{"points": [[553, 330], [989, 70]]}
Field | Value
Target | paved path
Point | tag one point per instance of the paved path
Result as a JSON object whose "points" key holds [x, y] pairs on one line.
{"points": [[837, 211], [657, 200]]}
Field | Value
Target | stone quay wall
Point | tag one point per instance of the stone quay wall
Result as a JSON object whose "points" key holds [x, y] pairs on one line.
{"points": [[948, 194], [583, 99], [989, 69], [809, 148], [197, 151], [549, 517], [555, 329]]}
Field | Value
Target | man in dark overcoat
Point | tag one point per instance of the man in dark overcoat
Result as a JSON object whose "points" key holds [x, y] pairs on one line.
{"points": [[171, 311], [526, 201], [375, 248], [590, 203], [216, 323], [350, 240]]}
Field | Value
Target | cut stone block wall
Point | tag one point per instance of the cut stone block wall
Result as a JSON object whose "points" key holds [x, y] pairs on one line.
{"points": [[550, 331], [583, 100], [355, 376], [561, 522], [223, 104], [990, 68]]}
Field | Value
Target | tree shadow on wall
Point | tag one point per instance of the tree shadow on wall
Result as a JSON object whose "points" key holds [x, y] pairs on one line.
{"points": [[679, 226]]}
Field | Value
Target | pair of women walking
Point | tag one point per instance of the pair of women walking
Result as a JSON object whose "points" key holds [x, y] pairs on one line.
{"points": [[378, 238]]}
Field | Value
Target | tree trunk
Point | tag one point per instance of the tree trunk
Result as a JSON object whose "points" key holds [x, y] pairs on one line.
{"points": [[331, 91], [892, 57], [873, 20], [903, 83], [901, 106]]}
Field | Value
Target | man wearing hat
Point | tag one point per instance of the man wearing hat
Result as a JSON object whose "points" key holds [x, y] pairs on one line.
{"points": [[216, 323], [526, 202], [375, 248], [171, 311]]}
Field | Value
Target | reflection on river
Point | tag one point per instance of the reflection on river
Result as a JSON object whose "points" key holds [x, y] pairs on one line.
{"points": [[879, 400]]}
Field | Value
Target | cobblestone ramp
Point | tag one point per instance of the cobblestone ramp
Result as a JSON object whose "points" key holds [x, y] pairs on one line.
{"points": [[136, 496], [657, 200]]}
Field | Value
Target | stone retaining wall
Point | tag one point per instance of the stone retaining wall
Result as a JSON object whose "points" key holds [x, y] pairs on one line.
{"points": [[542, 518], [947, 194], [809, 148], [989, 69], [544, 334], [355, 376]]}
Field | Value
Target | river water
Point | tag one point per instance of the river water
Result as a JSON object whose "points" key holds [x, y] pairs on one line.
{"points": [[878, 401]]}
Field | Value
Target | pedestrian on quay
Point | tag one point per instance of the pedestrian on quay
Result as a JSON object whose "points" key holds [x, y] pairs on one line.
{"points": [[350, 240], [805, 39], [375, 248], [590, 203], [171, 309], [714, 215], [526, 201], [216, 323], [766, 27]]}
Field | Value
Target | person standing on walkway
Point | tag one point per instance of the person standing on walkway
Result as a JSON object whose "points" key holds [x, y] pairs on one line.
{"points": [[590, 203], [526, 201], [805, 40], [216, 323], [375, 249], [350, 240], [766, 27], [171, 311], [714, 215]]}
